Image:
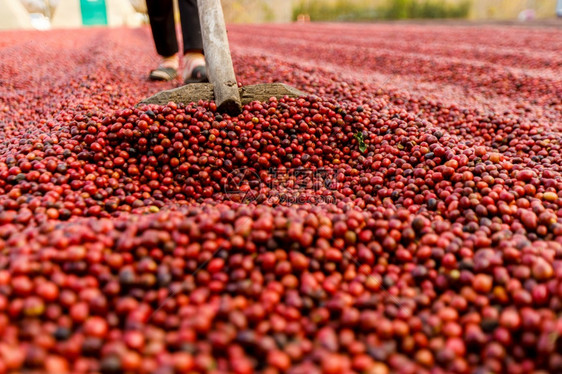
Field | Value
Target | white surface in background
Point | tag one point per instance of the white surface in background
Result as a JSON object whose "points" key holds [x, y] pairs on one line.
{"points": [[527, 15], [13, 15], [40, 22]]}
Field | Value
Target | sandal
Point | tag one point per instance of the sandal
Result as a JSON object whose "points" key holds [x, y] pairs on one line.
{"points": [[163, 74], [198, 75]]}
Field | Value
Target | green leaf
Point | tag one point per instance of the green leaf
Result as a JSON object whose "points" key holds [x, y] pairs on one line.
{"points": [[360, 141]]}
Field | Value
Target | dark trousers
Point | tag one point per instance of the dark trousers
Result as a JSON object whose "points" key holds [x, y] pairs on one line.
{"points": [[161, 16]]}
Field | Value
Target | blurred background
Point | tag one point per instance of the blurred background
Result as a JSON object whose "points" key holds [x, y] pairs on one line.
{"points": [[46, 14]]}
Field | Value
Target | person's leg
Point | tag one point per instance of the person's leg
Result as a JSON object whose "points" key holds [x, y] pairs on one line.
{"points": [[194, 70], [190, 26], [161, 16]]}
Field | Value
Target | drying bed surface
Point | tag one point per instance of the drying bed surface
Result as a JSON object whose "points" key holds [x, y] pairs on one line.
{"points": [[403, 216]]}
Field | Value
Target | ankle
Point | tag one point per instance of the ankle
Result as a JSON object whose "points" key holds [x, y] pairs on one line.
{"points": [[192, 60], [194, 54], [170, 62]]}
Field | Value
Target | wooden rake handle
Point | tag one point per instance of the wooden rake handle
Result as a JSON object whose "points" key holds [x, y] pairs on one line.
{"points": [[217, 56]]}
